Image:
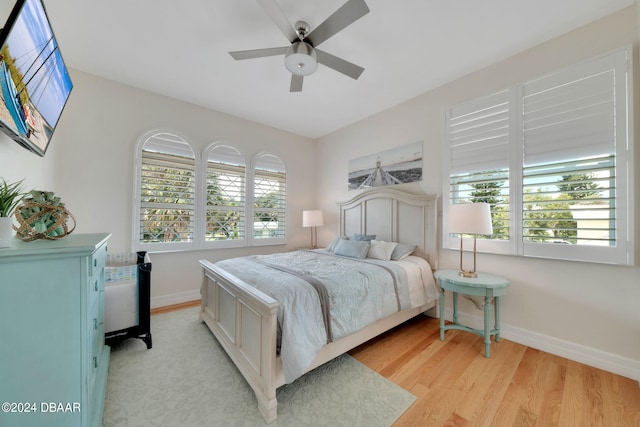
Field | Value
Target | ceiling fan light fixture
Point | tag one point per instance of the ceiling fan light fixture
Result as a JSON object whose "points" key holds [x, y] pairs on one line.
{"points": [[301, 59]]}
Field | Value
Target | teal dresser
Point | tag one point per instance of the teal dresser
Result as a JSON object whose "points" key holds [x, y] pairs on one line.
{"points": [[53, 361]]}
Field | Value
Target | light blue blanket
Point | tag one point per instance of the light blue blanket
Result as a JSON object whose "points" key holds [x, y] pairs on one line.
{"points": [[359, 293]]}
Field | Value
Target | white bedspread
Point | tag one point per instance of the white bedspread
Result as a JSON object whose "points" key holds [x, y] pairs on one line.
{"points": [[359, 293]]}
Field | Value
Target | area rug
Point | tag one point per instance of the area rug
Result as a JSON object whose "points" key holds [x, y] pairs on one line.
{"points": [[187, 379]]}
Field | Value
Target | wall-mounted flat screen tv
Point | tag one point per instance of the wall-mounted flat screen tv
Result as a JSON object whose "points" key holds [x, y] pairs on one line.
{"points": [[34, 79]]}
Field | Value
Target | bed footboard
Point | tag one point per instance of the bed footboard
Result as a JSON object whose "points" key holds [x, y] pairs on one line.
{"points": [[244, 320]]}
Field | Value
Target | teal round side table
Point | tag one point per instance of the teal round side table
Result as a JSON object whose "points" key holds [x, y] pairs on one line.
{"points": [[487, 285]]}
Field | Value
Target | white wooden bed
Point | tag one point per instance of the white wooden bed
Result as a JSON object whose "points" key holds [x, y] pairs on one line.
{"points": [[244, 321]]}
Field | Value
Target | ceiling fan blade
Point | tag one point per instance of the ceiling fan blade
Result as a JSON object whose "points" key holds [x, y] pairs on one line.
{"points": [[350, 12], [279, 18], [340, 65], [296, 83], [258, 53]]}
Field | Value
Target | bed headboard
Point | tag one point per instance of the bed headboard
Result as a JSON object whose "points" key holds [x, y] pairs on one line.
{"points": [[394, 216]]}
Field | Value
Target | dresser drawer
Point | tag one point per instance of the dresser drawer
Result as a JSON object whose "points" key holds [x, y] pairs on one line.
{"points": [[97, 261], [96, 329], [95, 272], [96, 337], [96, 287]]}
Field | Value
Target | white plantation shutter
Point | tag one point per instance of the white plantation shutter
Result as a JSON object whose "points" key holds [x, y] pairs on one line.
{"points": [[478, 134], [574, 127], [571, 202], [572, 114], [166, 193], [226, 194], [479, 145], [269, 198]]}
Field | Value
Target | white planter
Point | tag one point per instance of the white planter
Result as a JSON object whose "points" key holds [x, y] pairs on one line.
{"points": [[6, 231]]}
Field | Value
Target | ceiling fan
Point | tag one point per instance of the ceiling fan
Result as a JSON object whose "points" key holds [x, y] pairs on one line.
{"points": [[301, 58]]}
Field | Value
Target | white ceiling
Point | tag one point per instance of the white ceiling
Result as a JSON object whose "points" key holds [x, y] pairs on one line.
{"points": [[407, 47]]}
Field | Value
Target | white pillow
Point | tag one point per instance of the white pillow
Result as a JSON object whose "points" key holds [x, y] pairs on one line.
{"points": [[381, 250]]}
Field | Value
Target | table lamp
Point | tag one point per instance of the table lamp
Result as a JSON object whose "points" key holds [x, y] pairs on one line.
{"points": [[469, 218], [312, 219]]}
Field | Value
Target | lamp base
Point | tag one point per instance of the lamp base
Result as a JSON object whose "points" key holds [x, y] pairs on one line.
{"points": [[468, 274], [314, 239]]}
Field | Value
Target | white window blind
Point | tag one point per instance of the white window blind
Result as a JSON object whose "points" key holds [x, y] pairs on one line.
{"points": [[167, 191], [570, 202], [226, 194], [574, 127], [269, 198], [569, 156], [571, 114], [478, 134]]}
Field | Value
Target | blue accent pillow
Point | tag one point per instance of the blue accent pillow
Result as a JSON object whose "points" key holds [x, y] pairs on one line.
{"points": [[334, 243], [352, 248], [363, 237], [401, 251]]}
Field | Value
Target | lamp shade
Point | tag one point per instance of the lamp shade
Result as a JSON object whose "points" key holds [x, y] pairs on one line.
{"points": [[312, 218], [470, 218]]}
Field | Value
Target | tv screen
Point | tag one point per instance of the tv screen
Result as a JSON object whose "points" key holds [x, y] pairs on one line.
{"points": [[34, 79]]}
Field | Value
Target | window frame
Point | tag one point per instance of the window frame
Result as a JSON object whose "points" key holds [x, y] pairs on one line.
{"points": [[623, 252]]}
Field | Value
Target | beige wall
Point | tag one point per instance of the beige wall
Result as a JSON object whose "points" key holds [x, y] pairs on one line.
{"points": [[550, 304]]}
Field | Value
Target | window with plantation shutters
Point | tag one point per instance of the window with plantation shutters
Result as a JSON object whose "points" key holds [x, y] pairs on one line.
{"points": [[269, 199], [225, 195], [184, 201], [165, 214], [565, 171]]}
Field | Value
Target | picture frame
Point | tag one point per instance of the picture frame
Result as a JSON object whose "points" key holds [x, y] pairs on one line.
{"points": [[398, 165]]}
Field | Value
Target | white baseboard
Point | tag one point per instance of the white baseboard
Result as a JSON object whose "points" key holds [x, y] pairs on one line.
{"points": [[179, 298], [619, 365]]}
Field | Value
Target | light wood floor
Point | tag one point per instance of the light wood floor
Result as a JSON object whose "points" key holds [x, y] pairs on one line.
{"points": [[168, 308], [455, 385]]}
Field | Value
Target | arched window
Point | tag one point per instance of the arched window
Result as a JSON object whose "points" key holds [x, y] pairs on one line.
{"points": [[165, 196], [186, 202], [269, 199], [225, 196]]}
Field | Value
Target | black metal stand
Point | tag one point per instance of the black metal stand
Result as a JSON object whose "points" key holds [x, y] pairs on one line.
{"points": [[143, 329]]}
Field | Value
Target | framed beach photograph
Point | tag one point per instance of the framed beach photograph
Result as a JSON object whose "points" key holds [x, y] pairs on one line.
{"points": [[34, 80], [390, 167]]}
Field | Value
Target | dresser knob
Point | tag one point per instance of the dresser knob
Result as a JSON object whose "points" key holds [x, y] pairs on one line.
{"points": [[95, 324], [96, 286], [95, 362]]}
